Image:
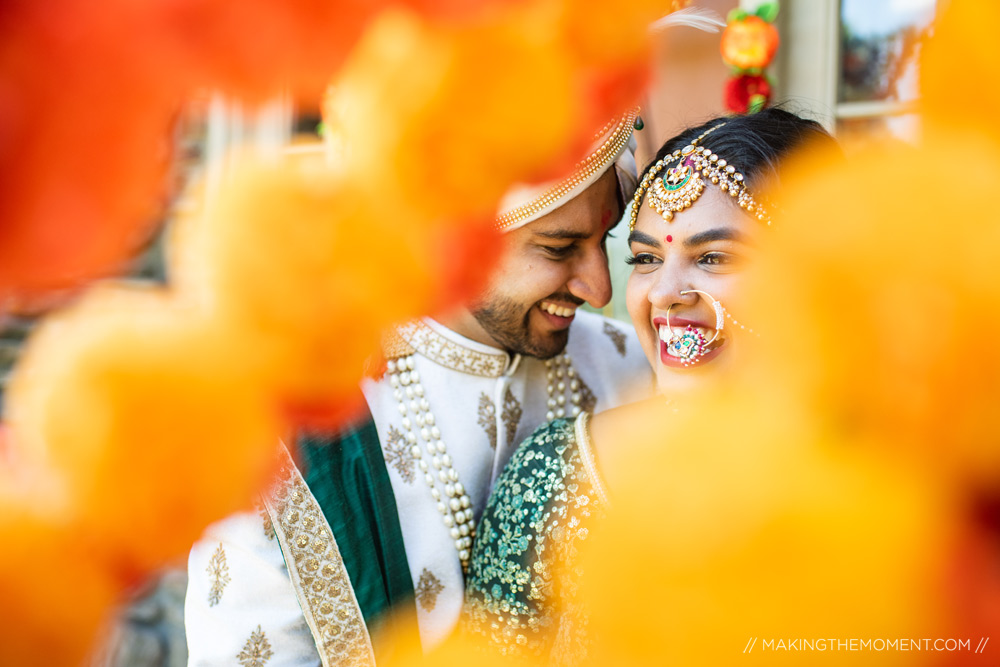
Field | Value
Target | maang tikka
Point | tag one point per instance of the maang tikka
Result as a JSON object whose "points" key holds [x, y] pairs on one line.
{"points": [[682, 184]]}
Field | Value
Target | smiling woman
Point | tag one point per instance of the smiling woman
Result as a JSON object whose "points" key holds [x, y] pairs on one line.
{"points": [[696, 222]]}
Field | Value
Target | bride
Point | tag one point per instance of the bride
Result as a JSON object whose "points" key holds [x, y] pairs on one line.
{"points": [[695, 222]]}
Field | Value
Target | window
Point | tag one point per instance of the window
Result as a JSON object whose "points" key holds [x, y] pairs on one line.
{"points": [[853, 63], [877, 86]]}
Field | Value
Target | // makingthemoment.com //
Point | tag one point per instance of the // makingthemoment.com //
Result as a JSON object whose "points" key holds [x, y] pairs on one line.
{"points": [[851, 644]]}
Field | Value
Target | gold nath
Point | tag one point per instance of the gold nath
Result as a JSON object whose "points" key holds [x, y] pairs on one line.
{"points": [[682, 185]]}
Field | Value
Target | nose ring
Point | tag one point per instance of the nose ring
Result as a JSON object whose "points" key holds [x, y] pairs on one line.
{"points": [[690, 345]]}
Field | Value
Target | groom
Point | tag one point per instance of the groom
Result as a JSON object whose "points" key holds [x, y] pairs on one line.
{"points": [[383, 516]]}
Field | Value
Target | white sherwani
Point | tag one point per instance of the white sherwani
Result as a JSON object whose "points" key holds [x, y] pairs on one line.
{"points": [[276, 588]]}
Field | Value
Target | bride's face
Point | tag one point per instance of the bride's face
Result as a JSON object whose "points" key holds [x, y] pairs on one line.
{"points": [[706, 247]]}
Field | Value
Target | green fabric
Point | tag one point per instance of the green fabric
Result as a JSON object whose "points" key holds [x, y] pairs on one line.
{"points": [[510, 538], [520, 596], [347, 475]]}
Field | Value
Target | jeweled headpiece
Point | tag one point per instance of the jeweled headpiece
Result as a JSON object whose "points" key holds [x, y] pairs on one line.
{"points": [[680, 186]]}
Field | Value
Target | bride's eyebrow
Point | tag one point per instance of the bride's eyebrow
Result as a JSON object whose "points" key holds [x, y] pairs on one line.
{"points": [[640, 237], [717, 234]]}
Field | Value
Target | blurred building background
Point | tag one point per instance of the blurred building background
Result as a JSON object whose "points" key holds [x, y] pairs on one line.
{"points": [[849, 64]]}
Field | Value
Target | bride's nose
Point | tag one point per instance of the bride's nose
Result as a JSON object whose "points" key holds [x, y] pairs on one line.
{"points": [[668, 288]]}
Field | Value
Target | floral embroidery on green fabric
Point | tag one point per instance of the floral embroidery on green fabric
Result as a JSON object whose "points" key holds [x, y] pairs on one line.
{"points": [[533, 521]]}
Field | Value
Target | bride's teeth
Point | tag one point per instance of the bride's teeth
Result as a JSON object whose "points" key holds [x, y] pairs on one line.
{"points": [[665, 333]]}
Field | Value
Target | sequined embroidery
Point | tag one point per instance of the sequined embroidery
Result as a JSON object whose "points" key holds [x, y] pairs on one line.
{"points": [[317, 571], [587, 399], [257, 651], [218, 573], [266, 518], [397, 454], [511, 416], [450, 354], [488, 419], [536, 518], [395, 346], [617, 337], [427, 590]]}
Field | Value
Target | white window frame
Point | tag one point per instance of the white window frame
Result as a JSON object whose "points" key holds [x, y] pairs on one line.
{"points": [[807, 67]]}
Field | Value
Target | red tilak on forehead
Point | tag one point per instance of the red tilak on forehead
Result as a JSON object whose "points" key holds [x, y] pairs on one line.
{"points": [[606, 218], [669, 238]]}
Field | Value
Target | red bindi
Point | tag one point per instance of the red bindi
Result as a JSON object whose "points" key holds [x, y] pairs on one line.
{"points": [[670, 238]]}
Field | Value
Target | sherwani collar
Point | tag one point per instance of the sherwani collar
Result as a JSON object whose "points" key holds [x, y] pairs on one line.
{"points": [[450, 349]]}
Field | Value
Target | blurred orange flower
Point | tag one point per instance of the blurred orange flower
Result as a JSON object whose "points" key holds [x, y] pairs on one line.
{"points": [[743, 517], [749, 43], [958, 76], [148, 419], [899, 289], [308, 269], [89, 93], [440, 120], [56, 590]]}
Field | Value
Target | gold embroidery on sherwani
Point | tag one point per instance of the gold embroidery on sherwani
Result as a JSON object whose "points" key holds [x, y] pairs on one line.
{"points": [[266, 518], [617, 337], [511, 416], [257, 651], [451, 355], [317, 571], [218, 573], [427, 590], [397, 454], [487, 419], [394, 346], [587, 399]]}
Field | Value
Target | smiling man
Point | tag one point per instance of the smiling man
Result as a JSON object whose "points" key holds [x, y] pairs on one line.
{"points": [[382, 517], [550, 267]]}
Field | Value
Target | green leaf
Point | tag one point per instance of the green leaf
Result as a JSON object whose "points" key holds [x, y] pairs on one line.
{"points": [[768, 11], [757, 102], [736, 15]]}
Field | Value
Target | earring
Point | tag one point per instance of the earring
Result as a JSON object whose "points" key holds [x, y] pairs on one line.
{"points": [[690, 345]]}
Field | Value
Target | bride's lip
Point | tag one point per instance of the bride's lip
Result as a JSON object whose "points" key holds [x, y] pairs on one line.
{"points": [[673, 362], [680, 323]]}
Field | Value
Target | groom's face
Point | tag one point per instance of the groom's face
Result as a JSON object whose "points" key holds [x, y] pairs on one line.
{"points": [[550, 267]]}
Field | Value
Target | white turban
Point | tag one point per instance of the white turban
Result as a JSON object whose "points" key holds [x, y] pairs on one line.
{"points": [[614, 146]]}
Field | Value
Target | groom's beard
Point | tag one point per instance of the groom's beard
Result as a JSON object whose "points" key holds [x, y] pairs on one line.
{"points": [[509, 324]]}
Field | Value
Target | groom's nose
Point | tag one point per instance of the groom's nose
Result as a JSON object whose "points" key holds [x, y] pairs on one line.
{"points": [[591, 280]]}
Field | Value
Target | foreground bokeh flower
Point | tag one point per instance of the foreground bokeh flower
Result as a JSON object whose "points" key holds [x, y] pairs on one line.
{"points": [[739, 518], [148, 419]]}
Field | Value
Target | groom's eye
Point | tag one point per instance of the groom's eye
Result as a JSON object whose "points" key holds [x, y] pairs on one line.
{"points": [[558, 252]]}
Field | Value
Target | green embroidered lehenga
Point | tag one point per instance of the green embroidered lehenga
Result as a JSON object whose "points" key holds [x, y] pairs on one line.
{"points": [[521, 592]]}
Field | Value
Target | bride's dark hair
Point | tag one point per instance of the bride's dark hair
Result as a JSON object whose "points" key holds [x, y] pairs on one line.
{"points": [[754, 144]]}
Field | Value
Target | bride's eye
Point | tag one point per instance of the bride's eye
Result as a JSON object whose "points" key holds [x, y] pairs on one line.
{"points": [[642, 260], [720, 261]]}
